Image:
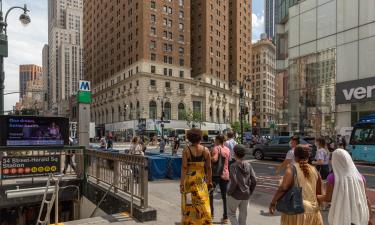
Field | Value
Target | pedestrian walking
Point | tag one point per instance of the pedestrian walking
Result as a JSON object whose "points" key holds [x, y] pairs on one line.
{"points": [[176, 145], [242, 182], [110, 142], [196, 178], [306, 177], [346, 190], [289, 158], [340, 142], [220, 156], [230, 143], [322, 158], [103, 143], [135, 147], [162, 145]]}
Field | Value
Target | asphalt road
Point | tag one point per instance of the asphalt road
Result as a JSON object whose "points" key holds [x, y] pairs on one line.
{"points": [[267, 168]]}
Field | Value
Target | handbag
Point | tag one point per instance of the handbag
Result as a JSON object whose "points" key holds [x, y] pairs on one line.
{"points": [[218, 166], [292, 202]]}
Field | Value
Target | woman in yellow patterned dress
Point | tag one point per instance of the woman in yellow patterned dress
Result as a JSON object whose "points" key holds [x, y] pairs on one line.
{"points": [[196, 177], [309, 179]]}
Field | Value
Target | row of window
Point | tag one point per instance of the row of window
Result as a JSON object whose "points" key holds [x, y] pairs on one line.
{"points": [[167, 84]]}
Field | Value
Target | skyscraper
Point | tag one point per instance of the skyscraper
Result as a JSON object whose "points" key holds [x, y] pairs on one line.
{"points": [[46, 78], [240, 35], [28, 73], [65, 48], [269, 15]]}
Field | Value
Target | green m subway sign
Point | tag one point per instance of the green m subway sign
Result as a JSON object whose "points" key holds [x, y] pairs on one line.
{"points": [[84, 92]]}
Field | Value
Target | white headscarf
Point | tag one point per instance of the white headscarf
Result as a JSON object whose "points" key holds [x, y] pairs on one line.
{"points": [[349, 201]]}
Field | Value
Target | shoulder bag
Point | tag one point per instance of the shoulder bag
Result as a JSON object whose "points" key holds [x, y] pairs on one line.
{"points": [[292, 202], [218, 166]]}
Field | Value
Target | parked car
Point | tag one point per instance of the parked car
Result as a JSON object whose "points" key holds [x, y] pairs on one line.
{"points": [[278, 147]]}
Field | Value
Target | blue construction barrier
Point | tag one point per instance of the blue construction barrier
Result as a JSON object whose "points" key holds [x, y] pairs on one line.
{"points": [[173, 166], [157, 168]]}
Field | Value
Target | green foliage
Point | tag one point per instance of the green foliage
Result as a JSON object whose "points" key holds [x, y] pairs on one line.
{"points": [[236, 126], [193, 118]]}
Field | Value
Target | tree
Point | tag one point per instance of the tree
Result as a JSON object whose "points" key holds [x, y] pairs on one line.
{"points": [[236, 126], [193, 118]]}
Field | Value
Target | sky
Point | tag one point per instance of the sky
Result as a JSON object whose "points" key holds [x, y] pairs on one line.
{"points": [[26, 43]]}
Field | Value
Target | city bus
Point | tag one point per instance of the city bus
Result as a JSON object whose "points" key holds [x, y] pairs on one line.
{"points": [[362, 139]]}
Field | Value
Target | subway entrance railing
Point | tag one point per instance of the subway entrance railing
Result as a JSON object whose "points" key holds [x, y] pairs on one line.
{"points": [[127, 175]]}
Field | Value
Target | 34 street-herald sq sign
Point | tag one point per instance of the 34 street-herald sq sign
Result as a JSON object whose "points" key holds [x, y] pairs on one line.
{"points": [[355, 91]]}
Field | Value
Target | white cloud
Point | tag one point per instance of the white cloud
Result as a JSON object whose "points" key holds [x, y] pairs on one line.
{"points": [[25, 44], [258, 25]]}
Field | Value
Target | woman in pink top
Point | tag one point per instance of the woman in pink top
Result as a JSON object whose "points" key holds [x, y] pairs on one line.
{"points": [[222, 178]]}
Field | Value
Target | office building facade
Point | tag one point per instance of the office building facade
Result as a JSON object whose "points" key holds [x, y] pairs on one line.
{"points": [[28, 73], [328, 51], [269, 18], [263, 82], [142, 57], [65, 26]]}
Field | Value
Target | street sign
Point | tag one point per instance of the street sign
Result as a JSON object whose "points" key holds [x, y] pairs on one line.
{"points": [[165, 121], [84, 85], [84, 97], [3, 45]]}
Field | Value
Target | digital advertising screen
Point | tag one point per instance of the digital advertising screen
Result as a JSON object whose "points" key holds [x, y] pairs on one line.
{"points": [[33, 131]]}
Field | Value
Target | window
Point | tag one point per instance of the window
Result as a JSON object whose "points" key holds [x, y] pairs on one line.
{"points": [[153, 30], [181, 74], [181, 86], [181, 50], [153, 18], [165, 71], [181, 111], [153, 57], [197, 106], [165, 22], [181, 14], [165, 9], [165, 34], [152, 44], [165, 47], [169, 10], [169, 23], [181, 26], [181, 62], [170, 60], [170, 72], [165, 59], [153, 83], [152, 110], [181, 2], [167, 110], [181, 38], [153, 5], [168, 84], [153, 69]]}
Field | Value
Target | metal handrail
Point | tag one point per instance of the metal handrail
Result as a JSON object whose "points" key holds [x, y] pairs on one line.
{"points": [[108, 168], [101, 200]]}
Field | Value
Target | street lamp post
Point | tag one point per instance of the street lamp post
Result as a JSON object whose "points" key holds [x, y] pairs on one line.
{"points": [[242, 105], [25, 19], [162, 100]]}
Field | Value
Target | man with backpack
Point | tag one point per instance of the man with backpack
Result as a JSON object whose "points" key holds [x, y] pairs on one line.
{"points": [[242, 182], [220, 156]]}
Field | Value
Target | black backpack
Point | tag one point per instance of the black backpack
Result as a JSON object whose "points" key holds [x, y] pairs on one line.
{"points": [[218, 166]]}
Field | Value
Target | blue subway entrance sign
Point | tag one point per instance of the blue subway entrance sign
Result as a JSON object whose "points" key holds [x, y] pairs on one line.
{"points": [[84, 85]]}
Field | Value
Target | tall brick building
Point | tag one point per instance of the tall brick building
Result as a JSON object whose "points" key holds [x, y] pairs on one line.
{"points": [[138, 55]]}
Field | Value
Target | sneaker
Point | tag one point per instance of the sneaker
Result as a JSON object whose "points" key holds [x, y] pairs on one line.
{"points": [[224, 221]]}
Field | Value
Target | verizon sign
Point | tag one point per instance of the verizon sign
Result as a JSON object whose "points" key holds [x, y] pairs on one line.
{"points": [[355, 91]]}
